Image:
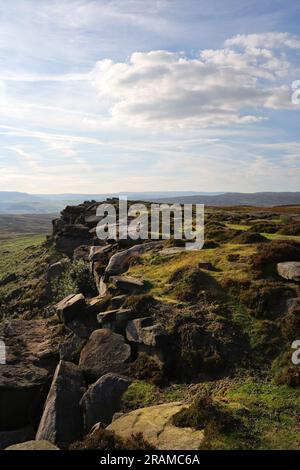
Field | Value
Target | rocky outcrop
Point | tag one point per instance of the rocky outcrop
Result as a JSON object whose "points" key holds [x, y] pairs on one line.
{"points": [[33, 445], [289, 270], [61, 422], [155, 423], [102, 399], [117, 319], [25, 378], [104, 352]]}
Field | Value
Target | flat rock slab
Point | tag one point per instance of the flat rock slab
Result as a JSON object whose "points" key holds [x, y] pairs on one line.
{"points": [[104, 352], [289, 270], [33, 445], [102, 399], [31, 358], [155, 423], [128, 284]]}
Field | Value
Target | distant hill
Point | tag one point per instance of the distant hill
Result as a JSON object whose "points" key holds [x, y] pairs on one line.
{"points": [[12, 202], [239, 199]]}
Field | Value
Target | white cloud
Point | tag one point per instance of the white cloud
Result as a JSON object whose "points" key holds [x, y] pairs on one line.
{"points": [[219, 87], [266, 40]]}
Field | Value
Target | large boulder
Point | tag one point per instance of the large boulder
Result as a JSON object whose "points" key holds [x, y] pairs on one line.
{"points": [[289, 270], [102, 399], [69, 350], [104, 352], [31, 358], [61, 422], [116, 319], [33, 445], [71, 237], [155, 423]]}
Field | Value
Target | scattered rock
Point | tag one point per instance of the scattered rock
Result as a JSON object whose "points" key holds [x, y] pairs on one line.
{"points": [[116, 319], [33, 445], [117, 302], [104, 352], [102, 399], [155, 423], [289, 270], [61, 422]]}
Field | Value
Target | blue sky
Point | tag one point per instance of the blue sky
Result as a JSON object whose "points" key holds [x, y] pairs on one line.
{"points": [[133, 95]]}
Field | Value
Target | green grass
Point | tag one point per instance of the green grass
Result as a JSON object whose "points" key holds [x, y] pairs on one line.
{"points": [[16, 254]]}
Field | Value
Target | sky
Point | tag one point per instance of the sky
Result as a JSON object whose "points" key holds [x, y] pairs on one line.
{"points": [[104, 96]]}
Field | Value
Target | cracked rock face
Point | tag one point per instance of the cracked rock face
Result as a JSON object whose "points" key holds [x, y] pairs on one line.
{"points": [[289, 270], [155, 422]]}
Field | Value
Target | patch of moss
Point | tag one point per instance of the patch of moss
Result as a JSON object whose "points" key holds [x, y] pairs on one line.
{"points": [[138, 395], [146, 368], [103, 439]]}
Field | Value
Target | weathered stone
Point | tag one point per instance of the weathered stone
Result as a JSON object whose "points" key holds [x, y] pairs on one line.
{"points": [[128, 284], [155, 423], [31, 358], [118, 263], [33, 445], [116, 319], [61, 422], [171, 251], [104, 352], [102, 399], [149, 338], [289, 270], [70, 349], [8, 438], [71, 308], [71, 237]]}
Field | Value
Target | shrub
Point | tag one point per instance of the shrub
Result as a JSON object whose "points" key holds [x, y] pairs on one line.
{"points": [[290, 375], [203, 412], [290, 229], [264, 227], [102, 439], [142, 304], [275, 252], [139, 394], [189, 283], [249, 237], [146, 368], [266, 299]]}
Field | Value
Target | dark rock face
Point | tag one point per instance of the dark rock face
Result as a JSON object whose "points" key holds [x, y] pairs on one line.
{"points": [[7, 279], [31, 359], [61, 422], [104, 352], [76, 315], [149, 338], [71, 308], [70, 349], [102, 399], [8, 438]]}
